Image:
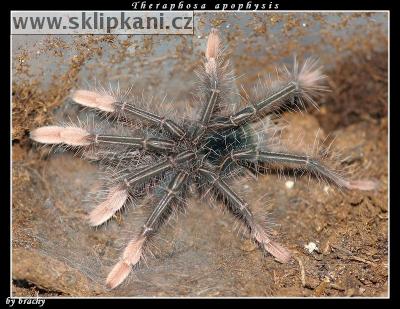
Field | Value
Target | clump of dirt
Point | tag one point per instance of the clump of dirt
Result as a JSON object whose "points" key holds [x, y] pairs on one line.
{"points": [[24, 288]]}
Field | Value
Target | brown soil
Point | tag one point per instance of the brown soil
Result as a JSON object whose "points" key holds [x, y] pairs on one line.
{"points": [[55, 253]]}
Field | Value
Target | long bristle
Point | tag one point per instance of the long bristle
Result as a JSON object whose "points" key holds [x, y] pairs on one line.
{"points": [[310, 75]]}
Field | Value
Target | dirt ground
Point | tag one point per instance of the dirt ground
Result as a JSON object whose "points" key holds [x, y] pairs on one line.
{"points": [[55, 252]]}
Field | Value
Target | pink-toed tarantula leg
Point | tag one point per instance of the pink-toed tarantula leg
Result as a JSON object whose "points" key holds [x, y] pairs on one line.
{"points": [[303, 85], [76, 136], [267, 106], [169, 125], [212, 95], [110, 104], [134, 250], [161, 167], [115, 200], [119, 194], [156, 144], [240, 208], [312, 165]]}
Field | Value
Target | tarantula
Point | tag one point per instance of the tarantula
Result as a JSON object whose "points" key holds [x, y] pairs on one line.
{"points": [[176, 154]]}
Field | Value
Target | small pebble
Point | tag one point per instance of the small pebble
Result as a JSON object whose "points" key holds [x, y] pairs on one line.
{"points": [[311, 247], [289, 184]]}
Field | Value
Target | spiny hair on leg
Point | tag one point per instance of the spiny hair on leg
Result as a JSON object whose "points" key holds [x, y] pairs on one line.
{"points": [[135, 251], [322, 162], [308, 83], [115, 193], [109, 103], [158, 244], [267, 133], [310, 80], [80, 136], [100, 97], [255, 225], [215, 74], [262, 216], [260, 230]]}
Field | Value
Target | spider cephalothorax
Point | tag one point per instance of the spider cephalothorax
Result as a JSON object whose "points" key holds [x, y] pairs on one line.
{"points": [[142, 151]]}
